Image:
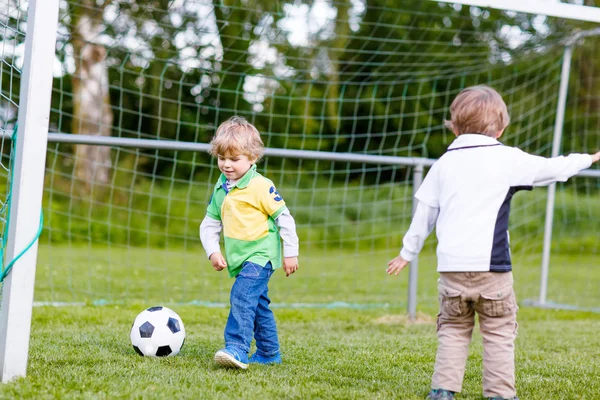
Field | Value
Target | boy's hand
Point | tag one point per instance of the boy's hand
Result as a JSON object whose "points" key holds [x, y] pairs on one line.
{"points": [[290, 265], [595, 157], [217, 260], [396, 265]]}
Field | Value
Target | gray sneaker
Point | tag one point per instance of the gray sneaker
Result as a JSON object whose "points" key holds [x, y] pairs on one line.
{"points": [[440, 394]]}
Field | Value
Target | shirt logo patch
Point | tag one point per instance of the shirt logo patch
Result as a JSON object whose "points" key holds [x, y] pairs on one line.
{"points": [[277, 197]]}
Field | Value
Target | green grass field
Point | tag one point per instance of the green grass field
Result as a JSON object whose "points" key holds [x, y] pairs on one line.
{"points": [[329, 354], [342, 324], [113, 275]]}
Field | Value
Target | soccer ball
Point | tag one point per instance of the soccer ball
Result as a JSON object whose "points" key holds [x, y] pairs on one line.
{"points": [[157, 332]]}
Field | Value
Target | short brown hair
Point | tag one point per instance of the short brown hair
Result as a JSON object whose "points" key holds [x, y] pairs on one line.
{"points": [[237, 136], [478, 109]]}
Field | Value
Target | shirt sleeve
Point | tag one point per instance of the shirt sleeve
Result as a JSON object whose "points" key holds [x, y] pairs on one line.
{"points": [[210, 234], [287, 230], [212, 210], [270, 201], [428, 192], [421, 226], [544, 171]]}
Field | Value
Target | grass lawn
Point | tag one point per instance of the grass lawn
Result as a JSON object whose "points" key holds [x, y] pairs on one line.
{"points": [[362, 349], [355, 277], [84, 352]]}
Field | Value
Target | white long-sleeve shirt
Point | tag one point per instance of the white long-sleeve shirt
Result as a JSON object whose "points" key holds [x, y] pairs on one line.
{"points": [[421, 226], [467, 193], [210, 234]]}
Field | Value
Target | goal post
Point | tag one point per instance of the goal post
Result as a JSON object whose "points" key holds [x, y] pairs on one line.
{"points": [[556, 144], [27, 186], [547, 8]]}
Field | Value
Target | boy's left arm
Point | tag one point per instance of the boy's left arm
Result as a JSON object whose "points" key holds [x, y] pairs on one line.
{"points": [[272, 203], [287, 230], [421, 226], [545, 171]]}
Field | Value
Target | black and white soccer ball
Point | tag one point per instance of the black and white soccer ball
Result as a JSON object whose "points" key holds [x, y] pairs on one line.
{"points": [[157, 332]]}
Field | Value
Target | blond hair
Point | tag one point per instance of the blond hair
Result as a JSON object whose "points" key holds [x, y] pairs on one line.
{"points": [[478, 109], [237, 136]]}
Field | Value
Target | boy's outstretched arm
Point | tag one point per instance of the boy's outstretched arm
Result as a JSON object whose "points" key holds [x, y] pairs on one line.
{"points": [[560, 169], [421, 226], [210, 233]]}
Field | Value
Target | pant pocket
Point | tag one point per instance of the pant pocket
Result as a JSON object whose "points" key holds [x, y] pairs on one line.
{"points": [[450, 301], [498, 302], [250, 270]]}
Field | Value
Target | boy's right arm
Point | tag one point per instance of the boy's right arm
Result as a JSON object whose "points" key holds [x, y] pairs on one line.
{"points": [[559, 169], [421, 226], [210, 233]]}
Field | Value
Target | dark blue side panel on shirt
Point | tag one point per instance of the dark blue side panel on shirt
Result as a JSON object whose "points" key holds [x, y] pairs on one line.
{"points": [[500, 260]]}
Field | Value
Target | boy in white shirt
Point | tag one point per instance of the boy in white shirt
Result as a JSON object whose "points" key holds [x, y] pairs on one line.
{"points": [[466, 195]]}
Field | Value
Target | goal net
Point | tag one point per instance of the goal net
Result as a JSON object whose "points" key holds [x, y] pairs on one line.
{"points": [[321, 78], [13, 17]]}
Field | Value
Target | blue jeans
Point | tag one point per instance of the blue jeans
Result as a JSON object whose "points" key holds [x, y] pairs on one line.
{"points": [[250, 313]]}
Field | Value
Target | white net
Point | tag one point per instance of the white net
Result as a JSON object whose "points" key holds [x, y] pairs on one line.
{"points": [[122, 222], [13, 19]]}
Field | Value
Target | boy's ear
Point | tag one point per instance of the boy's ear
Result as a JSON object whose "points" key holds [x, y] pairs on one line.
{"points": [[499, 134], [450, 126]]}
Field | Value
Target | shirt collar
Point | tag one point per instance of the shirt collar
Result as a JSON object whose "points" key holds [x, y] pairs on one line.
{"points": [[472, 140], [243, 182]]}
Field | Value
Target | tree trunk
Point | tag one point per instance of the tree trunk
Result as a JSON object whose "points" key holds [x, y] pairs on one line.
{"points": [[342, 31], [92, 114], [230, 16]]}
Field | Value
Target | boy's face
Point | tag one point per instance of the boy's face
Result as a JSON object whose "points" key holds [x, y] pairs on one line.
{"points": [[234, 166]]}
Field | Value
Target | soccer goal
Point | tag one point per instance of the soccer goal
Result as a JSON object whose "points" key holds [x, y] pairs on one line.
{"points": [[350, 99], [28, 34]]}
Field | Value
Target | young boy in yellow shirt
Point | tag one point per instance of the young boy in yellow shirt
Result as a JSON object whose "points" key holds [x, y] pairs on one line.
{"points": [[254, 220]]}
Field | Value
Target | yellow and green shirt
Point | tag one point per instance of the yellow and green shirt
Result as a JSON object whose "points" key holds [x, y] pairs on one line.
{"points": [[248, 212]]}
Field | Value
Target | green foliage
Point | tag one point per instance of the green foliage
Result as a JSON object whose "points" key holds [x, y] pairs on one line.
{"points": [[381, 84]]}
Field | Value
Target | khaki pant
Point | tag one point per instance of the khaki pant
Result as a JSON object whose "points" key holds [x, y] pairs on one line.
{"points": [[491, 296]]}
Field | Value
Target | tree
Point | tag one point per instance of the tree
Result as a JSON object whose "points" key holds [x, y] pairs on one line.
{"points": [[92, 113]]}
